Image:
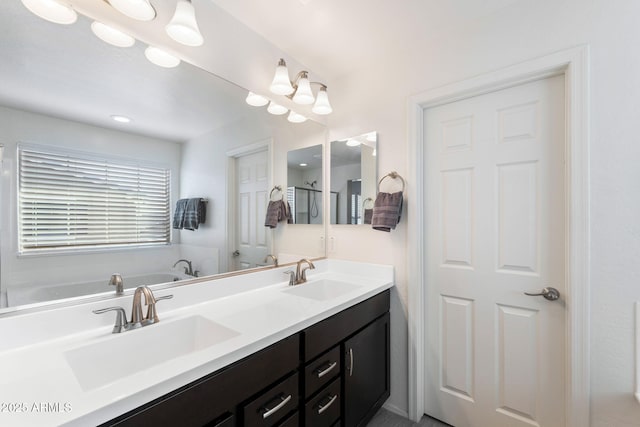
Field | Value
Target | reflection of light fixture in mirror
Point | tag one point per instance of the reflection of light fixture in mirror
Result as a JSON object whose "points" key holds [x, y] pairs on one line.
{"points": [[55, 11], [281, 84], [303, 164], [351, 142], [140, 10], [120, 119], [111, 35], [375, 152], [371, 137], [296, 118], [299, 90], [160, 57], [322, 105], [183, 27], [276, 109], [303, 94], [256, 100]]}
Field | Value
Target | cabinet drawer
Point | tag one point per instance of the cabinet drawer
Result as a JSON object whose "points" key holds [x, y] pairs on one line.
{"points": [[322, 370], [324, 335], [324, 409], [268, 408]]}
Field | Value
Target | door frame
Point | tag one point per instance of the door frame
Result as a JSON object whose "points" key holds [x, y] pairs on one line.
{"points": [[573, 63], [232, 185]]}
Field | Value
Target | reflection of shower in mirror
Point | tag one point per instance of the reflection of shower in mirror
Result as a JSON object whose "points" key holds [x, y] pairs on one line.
{"points": [[314, 200]]}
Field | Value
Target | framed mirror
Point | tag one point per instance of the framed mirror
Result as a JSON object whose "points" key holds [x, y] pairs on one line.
{"points": [[353, 179], [62, 90]]}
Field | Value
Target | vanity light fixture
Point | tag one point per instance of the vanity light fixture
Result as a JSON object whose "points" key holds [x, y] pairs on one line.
{"points": [[160, 57], [256, 100], [111, 35], [140, 10], [296, 118], [299, 90], [183, 27], [58, 12], [276, 109]]}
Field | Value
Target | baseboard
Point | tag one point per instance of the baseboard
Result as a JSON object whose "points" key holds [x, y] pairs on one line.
{"points": [[393, 408]]}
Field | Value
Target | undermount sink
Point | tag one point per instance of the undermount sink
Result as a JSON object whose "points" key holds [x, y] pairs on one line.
{"points": [[322, 289], [119, 356]]}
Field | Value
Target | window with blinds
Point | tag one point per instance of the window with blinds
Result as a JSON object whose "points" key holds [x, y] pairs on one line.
{"points": [[71, 202]]}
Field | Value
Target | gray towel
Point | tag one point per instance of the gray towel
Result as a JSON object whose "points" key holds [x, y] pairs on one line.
{"points": [[189, 213], [273, 213], [387, 211], [277, 211], [368, 214]]}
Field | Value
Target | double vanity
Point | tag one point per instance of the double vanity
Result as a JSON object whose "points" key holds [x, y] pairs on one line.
{"points": [[247, 350]]}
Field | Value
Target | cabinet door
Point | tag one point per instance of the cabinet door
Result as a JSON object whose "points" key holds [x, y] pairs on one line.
{"points": [[366, 373]]}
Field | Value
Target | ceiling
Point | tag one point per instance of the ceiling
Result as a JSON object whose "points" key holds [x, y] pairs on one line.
{"points": [[336, 37]]}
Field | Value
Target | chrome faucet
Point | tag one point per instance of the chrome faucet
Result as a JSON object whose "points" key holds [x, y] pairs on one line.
{"points": [[273, 257], [301, 273], [116, 280], [188, 270], [137, 321]]}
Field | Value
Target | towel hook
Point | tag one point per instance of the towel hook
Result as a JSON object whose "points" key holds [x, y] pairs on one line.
{"points": [[393, 175], [275, 188]]}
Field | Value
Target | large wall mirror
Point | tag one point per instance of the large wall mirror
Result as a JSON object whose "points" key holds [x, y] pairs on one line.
{"points": [[61, 90], [353, 179]]}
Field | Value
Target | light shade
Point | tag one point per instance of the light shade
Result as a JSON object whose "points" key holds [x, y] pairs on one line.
{"points": [[52, 10], [303, 95], [322, 105], [276, 109], [183, 27], [111, 35], [296, 118], [140, 10], [160, 57], [256, 100], [281, 85]]}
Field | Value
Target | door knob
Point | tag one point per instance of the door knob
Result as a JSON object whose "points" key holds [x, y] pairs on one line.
{"points": [[549, 293], [236, 253]]}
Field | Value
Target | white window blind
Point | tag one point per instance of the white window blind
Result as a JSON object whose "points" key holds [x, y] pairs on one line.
{"points": [[69, 202]]}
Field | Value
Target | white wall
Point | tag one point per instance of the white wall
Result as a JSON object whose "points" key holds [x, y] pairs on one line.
{"points": [[20, 126], [520, 32]]}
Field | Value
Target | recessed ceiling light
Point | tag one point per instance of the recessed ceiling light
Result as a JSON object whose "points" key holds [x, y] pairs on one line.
{"points": [[121, 119], [112, 36], [353, 142], [160, 57], [303, 164]]}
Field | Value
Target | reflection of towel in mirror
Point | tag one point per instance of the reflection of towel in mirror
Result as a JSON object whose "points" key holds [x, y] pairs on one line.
{"points": [[277, 211], [368, 213], [387, 211], [189, 213]]}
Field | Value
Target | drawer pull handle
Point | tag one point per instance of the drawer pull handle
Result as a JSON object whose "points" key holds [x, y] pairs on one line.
{"points": [[350, 362], [321, 408], [272, 411], [322, 373]]}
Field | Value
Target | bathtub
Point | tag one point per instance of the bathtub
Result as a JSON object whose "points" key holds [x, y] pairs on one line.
{"points": [[20, 295]]}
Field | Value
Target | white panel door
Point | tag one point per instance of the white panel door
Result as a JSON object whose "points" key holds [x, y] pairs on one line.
{"points": [[496, 229], [252, 239]]}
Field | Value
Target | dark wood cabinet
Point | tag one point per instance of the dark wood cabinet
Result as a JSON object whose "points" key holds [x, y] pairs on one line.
{"points": [[366, 372], [335, 372]]}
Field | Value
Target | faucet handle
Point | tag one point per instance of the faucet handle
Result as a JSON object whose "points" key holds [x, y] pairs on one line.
{"points": [[292, 277], [121, 318], [116, 280], [152, 313]]}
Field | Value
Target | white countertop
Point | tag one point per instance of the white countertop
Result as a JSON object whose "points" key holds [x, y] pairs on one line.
{"points": [[38, 386]]}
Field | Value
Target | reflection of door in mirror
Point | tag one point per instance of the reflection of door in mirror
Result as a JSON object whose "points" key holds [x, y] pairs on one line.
{"points": [[252, 241]]}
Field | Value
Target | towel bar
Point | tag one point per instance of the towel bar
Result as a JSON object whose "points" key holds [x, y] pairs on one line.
{"points": [[393, 175], [275, 188]]}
